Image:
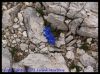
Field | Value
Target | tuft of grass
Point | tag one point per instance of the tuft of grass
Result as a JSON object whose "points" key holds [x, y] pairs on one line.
{"points": [[40, 10], [73, 65], [13, 51], [85, 46]]}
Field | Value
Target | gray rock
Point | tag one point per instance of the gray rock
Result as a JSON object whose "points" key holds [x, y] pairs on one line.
{"points": [[25, 34], [74, 8], [93, 6], [70, 48], [69, 38], [75, 24], [41, 61], [56, 21], [34, 25], [6, 60], [87, 60], [88, 69], [23, 46], [91, 21], [54, 8], [71, 43], [15, 25], [20, 17], [80, 51], [88, 32], [18, 67], [4, 42], [73, 70], [61, 40], [89, 40], [70, 55]]}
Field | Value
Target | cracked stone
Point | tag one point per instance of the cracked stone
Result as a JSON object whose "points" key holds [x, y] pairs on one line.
{"points": [[71, 43]]}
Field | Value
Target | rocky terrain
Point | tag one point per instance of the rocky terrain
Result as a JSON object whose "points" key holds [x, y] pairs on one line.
{"points": [[26, 49]]}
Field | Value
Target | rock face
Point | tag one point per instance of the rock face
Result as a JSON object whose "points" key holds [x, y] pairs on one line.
{"points": [[56, 61], [34, 25], [6, 60]]}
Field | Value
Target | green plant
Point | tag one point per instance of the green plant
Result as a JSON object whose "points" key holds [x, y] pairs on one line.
{"points": [[40, 10], [85, 46]]}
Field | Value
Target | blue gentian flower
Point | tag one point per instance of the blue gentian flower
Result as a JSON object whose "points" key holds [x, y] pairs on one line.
{"points": [[49, 36]]}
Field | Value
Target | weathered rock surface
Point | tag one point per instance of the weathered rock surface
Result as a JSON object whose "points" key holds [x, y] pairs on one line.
{"points": [[34, 25], [56, 21], [87, 60], [56, 61]]}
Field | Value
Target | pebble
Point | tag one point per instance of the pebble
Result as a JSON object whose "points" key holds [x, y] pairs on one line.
{"points": [[44, 49], [12, 37], [7, 34], [70, 48], [26, 50], [67, 21], [62, 35], [15, 35], [15, 19], [69, 38], [94, 54], [71, 43], [4, 42], [68, 33], [20, 17], [25, 34], [27, 3], [15, 26], [73, 70], [80, 51], [78, 43], [4, 7], [17, 40], [42, 46], [89, 40], [21, 23], [88, 69], [70, 55], [13, 41], [23, 46]]}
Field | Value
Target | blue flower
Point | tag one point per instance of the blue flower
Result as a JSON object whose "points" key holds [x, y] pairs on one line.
{"points": [[49, 36]]}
